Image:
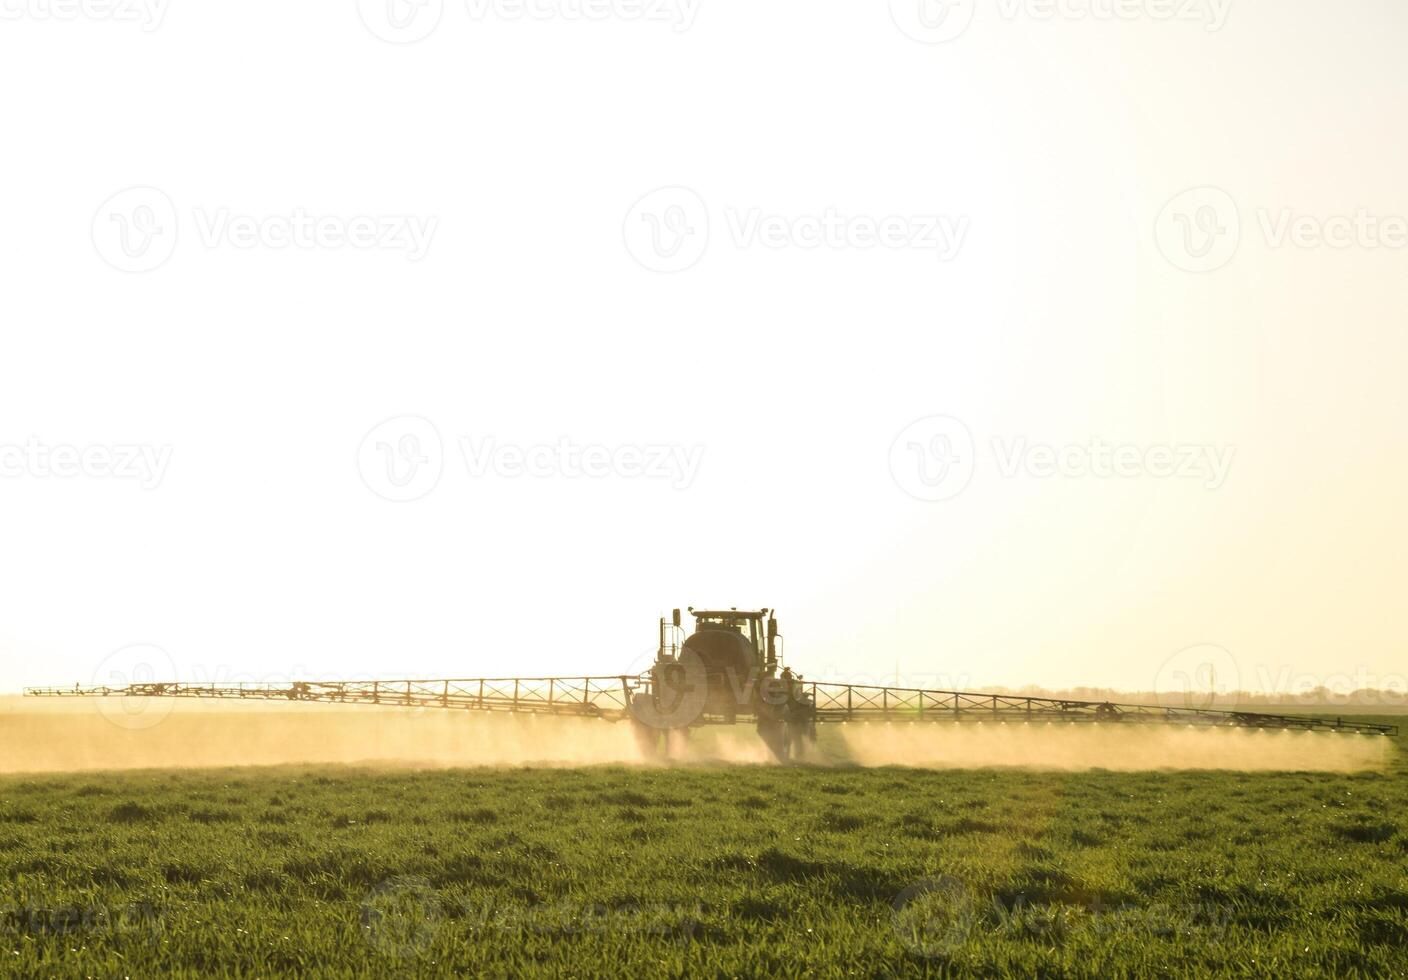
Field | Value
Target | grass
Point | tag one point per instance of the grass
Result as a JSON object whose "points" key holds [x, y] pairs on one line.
{"points": [[741, 871]]}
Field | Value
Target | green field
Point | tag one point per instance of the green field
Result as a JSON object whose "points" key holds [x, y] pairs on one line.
{"points": [[704, 870]]}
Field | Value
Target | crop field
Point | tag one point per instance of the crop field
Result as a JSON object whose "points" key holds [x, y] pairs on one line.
{"points": [[704, 870]]}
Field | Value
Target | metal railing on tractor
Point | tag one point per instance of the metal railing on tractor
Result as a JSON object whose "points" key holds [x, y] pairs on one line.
{"points": [[610, 698]]}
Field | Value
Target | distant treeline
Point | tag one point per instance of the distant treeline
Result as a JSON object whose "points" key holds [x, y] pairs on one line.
{"points": [[1314, 697]]}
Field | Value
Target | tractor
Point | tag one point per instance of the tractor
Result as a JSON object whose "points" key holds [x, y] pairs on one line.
{"points": [[726, 671]]}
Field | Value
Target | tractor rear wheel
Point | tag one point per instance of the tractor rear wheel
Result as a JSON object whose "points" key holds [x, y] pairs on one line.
{"points": [[800, 738], [647, 739]]}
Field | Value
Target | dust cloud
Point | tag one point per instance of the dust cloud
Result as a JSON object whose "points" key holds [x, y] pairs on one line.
{"points": [[127, 733], [132, 733], [1127, 747]]}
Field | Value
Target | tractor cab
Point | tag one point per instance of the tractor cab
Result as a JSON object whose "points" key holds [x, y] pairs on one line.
{"points": [[742, 640], [749, 625]]}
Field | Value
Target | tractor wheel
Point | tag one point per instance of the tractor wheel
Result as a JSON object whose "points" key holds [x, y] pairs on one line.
{"points": [[647, 740], [801, 739], [774, 736]]}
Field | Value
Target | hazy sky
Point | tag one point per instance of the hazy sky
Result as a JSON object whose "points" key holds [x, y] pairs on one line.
{"points": [[1144, 280]]}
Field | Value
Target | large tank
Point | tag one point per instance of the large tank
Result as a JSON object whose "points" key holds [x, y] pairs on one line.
{"points": [[723, 650], [731, 668]]}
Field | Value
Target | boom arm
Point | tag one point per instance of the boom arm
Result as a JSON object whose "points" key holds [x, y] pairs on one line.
{"points": [[592, 697], [610, 698]]}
